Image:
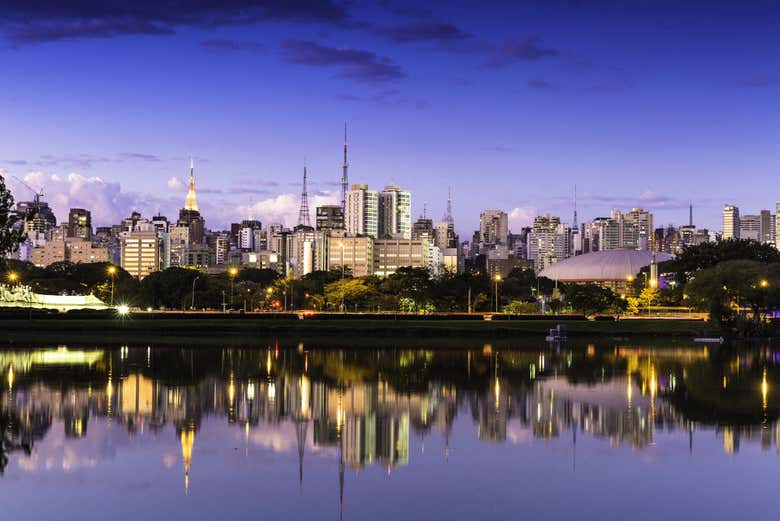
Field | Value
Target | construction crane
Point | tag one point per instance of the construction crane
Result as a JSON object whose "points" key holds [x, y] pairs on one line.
{"points": [[37, 193]]}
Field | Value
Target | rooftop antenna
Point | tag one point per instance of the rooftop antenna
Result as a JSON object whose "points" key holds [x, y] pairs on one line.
{"points": [[303, 214], [575, 207], [448, 215], [344, 176]]}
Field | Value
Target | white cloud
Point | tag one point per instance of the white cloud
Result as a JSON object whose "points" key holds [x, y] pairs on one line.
{"points": [[520, 217], [109, 204], [176, 184], [284, 208]]}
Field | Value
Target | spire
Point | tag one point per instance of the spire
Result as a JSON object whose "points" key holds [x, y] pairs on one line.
{"points": [[690, 215], [303, 214], [574, 224], [191, 203], [448, 215], [344, 176]]}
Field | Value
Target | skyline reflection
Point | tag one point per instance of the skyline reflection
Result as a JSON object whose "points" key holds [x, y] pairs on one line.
{"points": [[369, 408]]}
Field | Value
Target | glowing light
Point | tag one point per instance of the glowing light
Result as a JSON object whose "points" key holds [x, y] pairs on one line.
{"points": [[123, 309], [764, 390], [764, 283], [233, 272], [250, 391], [653, 283], [13, 276], [272, 391], [10, 377], [497, 278], [630, 278], [111, 270]]}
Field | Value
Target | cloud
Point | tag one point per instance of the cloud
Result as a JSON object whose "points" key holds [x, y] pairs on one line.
{"points": [[388, 98], [105, 199], [82, 161], [284, 208], [499, 148], [223, 44], [527, 49], [537, 84], [520, 217], [29, 22], [352, 64], [176, 184], [439, 32]]}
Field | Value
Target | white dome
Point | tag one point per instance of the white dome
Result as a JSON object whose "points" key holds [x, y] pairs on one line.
{"points": [[612, 265]]}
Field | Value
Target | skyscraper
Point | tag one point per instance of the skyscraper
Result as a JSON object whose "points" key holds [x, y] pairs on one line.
{"points": [[493, 227], [730, 222], [749, 227], [395, 213], [548, 241], [361, 211], [330, 217], [80, 224]]}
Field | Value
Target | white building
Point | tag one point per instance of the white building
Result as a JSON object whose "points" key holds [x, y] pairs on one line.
{"points": [[395, 213], [361, 213]]}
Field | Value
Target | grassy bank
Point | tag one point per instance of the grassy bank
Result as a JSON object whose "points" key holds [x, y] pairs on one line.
{"points": [[215, 329]]}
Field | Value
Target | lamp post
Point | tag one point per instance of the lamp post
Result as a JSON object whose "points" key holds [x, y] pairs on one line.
{"points": [[268, 292], [192, 306], [232, 272], [112, 272], [497, 280], [13, 277]]}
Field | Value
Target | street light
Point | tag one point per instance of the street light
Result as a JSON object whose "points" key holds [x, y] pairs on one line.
{"points": [[764, 283], [497, 279], [13, 277], [112, 272], [232, 272]]}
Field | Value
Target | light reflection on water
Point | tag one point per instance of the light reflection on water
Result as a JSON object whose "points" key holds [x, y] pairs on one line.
{"points": [[291, 431]]}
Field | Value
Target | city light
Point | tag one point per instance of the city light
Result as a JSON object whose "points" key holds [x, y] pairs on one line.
{"points": [[764, 283], [13, 277], [123, 309]]}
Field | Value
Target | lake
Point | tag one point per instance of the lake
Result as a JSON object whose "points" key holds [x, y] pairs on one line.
{"points": [[591, 430]]}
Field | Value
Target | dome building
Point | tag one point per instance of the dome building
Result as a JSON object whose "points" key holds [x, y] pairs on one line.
{"points": [[614, 269]]}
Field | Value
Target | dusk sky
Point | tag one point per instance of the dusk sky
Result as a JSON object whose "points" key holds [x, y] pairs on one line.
{"points": [[512, 104]]}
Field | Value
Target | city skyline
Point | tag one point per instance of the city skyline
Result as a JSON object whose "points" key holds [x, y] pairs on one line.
{"points": [[454, 96]]}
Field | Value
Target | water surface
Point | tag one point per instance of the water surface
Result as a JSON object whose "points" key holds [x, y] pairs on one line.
{"points": [[293, 431]]}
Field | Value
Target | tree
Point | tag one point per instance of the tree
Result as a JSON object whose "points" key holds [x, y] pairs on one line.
{"points": [[11, 236], [590, 299], [521, 307], [725, 290], [349, 292], [709, 254]]}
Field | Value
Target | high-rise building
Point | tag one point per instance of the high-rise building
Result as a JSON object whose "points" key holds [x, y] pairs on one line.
{"points": [[141, 253], [493, 227], [730, 222], [548, 241], [641, 237], [80, 224], [750, 227], [361, 215], [422, 227], [767, 227], [395, 213], [330, 218]]}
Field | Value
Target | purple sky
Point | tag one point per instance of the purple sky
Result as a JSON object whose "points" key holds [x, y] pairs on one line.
{"points": [[512, 104]]}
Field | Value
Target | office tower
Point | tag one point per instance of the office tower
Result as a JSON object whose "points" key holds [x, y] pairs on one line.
{"points": [[493, 227], [638, 226], [767, 227], [160, 223], [392, 254], [730, 222], [330, 218], [777, 225], [548, 241], [353, 255], [422, 228], [749, 227], [361, 217], [141, 253], [38, 216], [444, 235], [395, 213], [80, 224]]}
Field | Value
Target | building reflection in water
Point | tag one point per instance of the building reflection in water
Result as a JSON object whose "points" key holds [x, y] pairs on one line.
{"points": [[365, 404]]}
